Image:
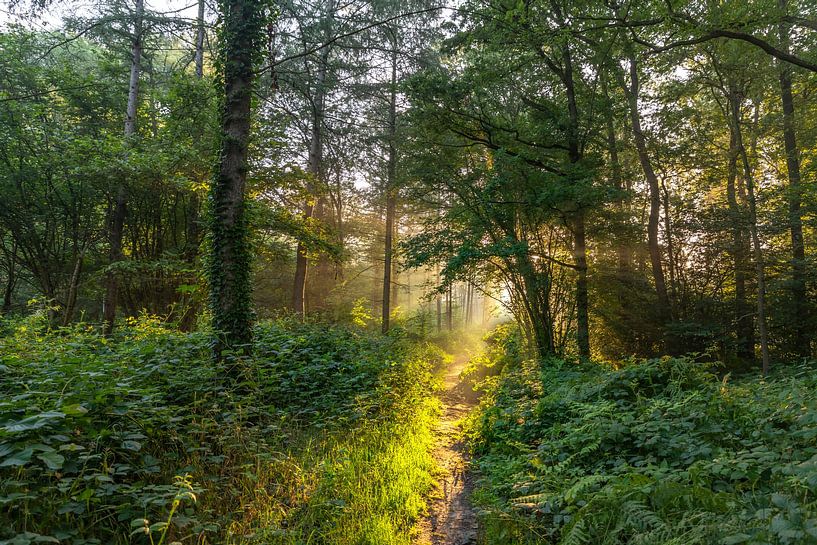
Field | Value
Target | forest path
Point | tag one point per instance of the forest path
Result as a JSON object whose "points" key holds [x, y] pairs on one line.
{"points": [[451, 519]]}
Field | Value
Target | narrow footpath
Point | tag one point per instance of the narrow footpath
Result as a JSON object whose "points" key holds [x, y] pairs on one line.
{"points": [[451, 519]]}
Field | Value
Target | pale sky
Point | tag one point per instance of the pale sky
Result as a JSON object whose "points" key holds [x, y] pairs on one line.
{"points": [[51, 19]]}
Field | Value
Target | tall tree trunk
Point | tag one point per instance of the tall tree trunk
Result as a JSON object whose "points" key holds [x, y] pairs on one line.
{"points": [[664, 308], [579, 232], [582, 301], [391, 189], [387, 266], [734, 104], [673, 282], [799, 309], [395, 266], [449, 303], [623, 253], [744, 323], [116, 221], [231, 261], [439, 301], [315, 168]]}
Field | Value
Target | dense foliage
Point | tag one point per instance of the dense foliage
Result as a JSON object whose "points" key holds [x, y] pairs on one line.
{"points": [[660, 451], [127, 439]]}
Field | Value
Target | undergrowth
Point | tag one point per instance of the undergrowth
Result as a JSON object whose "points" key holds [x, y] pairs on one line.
{"points": [[136, 439], [665, 451]]}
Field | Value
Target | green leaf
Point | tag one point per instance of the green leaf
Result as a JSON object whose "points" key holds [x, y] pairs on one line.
{"points": [[135, 446], [737, 538], [34, 422], [75, 409], [19, 459], [53, 460]]}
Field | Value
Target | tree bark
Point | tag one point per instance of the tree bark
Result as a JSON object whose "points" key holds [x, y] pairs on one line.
{"points": [[230, 265], [439, 301], [799, 309], [734, 104], [73, 289], [664, 308], [744, 323], [579, 232], [391, 189], [11, 279], [315, 168], [449, 304], [116, 220]]}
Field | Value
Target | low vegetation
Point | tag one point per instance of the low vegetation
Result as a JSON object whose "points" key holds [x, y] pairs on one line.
{"points": [[668, 450], [136, 440]]}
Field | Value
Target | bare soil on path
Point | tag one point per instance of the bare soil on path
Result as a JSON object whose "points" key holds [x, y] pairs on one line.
{"points": [[451, 519]]}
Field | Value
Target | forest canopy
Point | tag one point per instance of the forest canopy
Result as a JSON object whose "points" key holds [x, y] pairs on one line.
{"points": [[623, 178]]}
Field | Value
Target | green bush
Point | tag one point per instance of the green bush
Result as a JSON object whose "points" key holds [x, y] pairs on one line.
{"points": [[136, 439], [660, 451]]}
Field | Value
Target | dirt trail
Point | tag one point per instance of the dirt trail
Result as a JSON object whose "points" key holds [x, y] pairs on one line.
{"points": [[451, 520]]}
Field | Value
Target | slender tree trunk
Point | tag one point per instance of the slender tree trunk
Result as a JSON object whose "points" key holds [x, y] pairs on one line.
{"points": [[582, 302], [744, 323], [315, 169], [192, 235], [664, 308], [116, 221], [758, 252], [616, 180], [73, 288], [439, 301], [469, 301], [802, 333], [449, 303], [673, 283], [395, 266], [579, 232], [387, 266], [230, 265], [11, 280], [391, 195]]}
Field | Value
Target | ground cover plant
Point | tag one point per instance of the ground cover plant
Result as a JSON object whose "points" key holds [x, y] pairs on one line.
{"points": [[668, 450], [136, 439]]}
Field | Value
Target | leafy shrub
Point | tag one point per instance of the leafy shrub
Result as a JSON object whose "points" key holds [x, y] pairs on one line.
{"points": [[661, 451], [136, 439]]}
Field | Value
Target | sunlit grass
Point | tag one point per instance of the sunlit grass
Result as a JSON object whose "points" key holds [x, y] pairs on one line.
{"points": [[330, 442]]}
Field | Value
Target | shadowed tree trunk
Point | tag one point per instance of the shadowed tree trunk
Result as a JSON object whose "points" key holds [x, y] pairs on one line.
{"points": [[800, 325], [664, 309], [744, 323], [391, 190], [734, 107], [11, 278]]}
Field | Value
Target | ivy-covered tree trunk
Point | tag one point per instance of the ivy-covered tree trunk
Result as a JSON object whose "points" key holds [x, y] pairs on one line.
{"points": [[230, 259]]}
